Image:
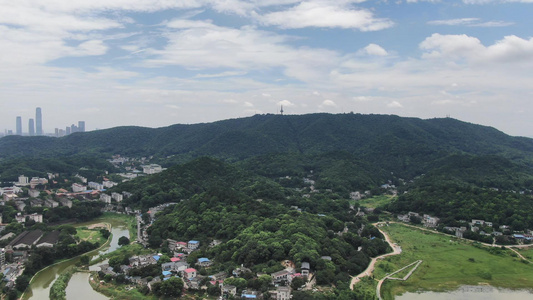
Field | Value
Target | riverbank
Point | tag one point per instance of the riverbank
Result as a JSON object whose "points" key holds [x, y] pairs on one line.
{"points": [[59, 266], [450, 263], [42, 280]]}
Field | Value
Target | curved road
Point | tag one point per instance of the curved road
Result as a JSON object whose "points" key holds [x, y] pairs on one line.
{"points": [[370, 269], [397, 250]]}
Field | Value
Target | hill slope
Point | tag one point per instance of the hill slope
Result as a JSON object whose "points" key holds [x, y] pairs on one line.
{"points": [[401, 145]]}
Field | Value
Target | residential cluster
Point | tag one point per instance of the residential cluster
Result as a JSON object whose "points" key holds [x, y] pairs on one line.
{"points": [[193, 280], [501, 234]]}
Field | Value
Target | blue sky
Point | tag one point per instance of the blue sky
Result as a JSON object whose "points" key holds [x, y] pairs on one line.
{"points": [[162, 62]]}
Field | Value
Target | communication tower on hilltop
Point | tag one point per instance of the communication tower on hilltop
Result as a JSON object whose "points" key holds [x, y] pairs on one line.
{"points": [[281, 110]]}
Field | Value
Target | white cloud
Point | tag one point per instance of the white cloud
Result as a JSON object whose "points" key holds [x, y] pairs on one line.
{"points": [[328, 103], [248, 104], [462, 47], [245, 49], [325, 14], [462, 21], [286, 103], [471, 22], [394, 104], [373, 49]]}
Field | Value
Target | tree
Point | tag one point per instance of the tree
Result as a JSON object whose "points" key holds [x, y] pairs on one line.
{"points": [[84, 260], [171, 287], [123, 241], [105, 233], [297, 283], [22, 282]]}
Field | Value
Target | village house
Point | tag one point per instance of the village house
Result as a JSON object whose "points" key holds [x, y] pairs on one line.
{"points": [[240, 271], [189, 273], [281, 293], [51, 203], [204, 262], [280, 276], [36, 203], [34, 193], [193, 245], [227, 289], [66, 202], [305, 269]]}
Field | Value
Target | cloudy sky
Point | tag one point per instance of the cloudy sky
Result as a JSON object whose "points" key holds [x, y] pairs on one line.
{"points": [[160, 62]]}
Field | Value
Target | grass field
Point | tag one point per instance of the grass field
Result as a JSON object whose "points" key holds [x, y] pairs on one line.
{"points": [[526, 252], [449, 263], [91, 235], [375, 201]]}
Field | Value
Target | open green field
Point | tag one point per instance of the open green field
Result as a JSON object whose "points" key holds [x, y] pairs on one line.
{"points": [[527, 252], [375, 201], [449, 263], [90, 235]]}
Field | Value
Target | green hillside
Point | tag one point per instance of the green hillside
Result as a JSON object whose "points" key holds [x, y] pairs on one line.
{"points": [[405, 146]]}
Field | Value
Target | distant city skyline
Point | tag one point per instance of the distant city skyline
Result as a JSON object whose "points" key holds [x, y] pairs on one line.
{"points": [[156, 63], [37, 129]]}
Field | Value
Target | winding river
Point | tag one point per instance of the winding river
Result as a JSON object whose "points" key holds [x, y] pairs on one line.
{"points": [[78, 287]]}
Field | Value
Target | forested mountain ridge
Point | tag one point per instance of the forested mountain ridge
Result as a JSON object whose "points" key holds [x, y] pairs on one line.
{"points": [[405, 146]]}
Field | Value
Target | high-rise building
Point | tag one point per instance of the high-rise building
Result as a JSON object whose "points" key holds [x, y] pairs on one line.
{"points": [[81, 126], [67, 130], [19, 125], [73, 128], [31, 127], [39, 121]]}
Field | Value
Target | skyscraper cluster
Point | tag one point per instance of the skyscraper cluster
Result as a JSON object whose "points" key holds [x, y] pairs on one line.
{"points": [[35, 126], [70, 129]]}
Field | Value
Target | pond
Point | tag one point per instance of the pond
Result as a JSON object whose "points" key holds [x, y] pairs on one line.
{"points": [[40, 286], [470, 293]]}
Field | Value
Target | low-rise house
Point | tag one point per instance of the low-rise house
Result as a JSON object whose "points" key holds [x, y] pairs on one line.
{"points": [[51, 203], [193, 244], [249, 294], [204, 262], [36, 203], [305, 269], [219, 276], [150, 284], [194, 283], [66, 202], [240, 271], [34, 193], [20, 205], [227, 289], [38, 218], [280, 276], [109, 184], [189, 273], [281, 293], [7, 236]]}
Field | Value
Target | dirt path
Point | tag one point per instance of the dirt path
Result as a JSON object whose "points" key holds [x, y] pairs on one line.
{"points": [[370, 269], [397, 250], [380, 283]]}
